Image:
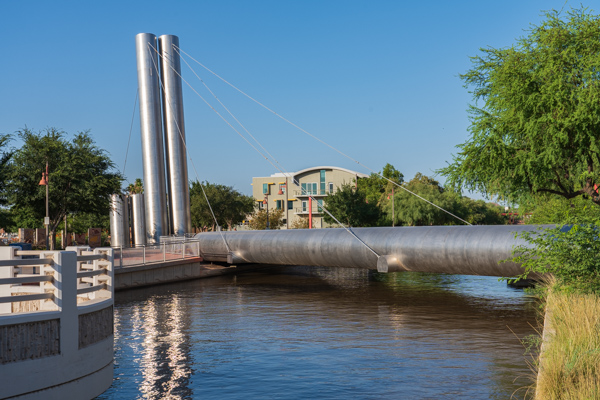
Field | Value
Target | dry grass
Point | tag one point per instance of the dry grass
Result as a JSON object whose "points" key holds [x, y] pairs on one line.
{"points": [[570, 354]]}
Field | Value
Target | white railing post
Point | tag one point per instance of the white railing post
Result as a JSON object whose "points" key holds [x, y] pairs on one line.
{"points": [[104, 279], [164, 249], [183, 249], [7, 253], [144, 256]]}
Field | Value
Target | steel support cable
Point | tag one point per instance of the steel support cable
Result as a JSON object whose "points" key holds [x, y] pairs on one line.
{"points": [[130, 130], [226, 109], [283, 171], [186, 150], [319, 140]]}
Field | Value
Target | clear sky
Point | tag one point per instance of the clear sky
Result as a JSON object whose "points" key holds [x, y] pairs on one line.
{"points": [[377, 79]]}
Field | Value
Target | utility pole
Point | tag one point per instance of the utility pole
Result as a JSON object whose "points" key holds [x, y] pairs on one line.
{"points": [[44, 182]]}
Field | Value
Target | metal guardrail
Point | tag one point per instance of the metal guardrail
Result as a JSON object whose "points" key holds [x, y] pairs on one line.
{"points": [[170, 249]]}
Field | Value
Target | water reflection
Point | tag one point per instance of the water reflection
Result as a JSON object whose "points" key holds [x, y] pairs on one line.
{"points": [[322, 333]]}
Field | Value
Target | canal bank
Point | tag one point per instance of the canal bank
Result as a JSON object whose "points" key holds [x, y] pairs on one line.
{"points": [[162, 272], [569, 361]]}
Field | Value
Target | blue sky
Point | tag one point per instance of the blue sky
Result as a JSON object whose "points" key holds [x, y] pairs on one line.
{"points": [[377, 79]]}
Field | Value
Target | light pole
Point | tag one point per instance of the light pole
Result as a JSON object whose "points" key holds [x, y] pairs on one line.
{"points": [[393, 211], [266, 201], [44, 182]]}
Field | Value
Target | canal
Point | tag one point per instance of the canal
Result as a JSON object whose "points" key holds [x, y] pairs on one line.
{"points": [[323, 333]]}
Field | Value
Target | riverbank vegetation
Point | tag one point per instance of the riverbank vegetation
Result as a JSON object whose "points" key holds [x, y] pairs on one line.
{"points": [[569, 367], [534, 142]]}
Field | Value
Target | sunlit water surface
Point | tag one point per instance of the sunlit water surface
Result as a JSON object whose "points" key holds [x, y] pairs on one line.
{"points": [[317, 333]]}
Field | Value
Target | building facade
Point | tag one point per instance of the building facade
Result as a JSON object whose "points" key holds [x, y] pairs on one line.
{"points": [[300, 194]]}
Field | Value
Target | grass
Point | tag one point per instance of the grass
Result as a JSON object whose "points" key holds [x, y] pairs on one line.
{"points": [[569, 363]]}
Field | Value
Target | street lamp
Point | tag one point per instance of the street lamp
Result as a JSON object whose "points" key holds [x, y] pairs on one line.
{"points": [[266, 201], [393, 212], [44, 182]]}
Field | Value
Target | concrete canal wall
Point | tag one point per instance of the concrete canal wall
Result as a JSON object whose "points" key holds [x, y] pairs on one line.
{"points": [[62, 346]]}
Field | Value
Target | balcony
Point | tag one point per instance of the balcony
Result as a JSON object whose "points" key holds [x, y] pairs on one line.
{"points": [[304, 211], [300, 193]]}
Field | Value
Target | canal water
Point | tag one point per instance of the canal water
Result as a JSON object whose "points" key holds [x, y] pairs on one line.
{"points": [[323, 333]]}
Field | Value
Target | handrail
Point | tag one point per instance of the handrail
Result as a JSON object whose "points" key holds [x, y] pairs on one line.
{"points": [[27, 261], [26, 279], [26, 297], [88, 274], [92, 289]]}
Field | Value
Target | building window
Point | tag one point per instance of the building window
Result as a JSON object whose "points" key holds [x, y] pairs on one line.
{"points": [[320, 205], [330, 187], [281, 188], [322, 182], [304, 206], [265, 188], [279, 205], [290, 204], [308, 189]]}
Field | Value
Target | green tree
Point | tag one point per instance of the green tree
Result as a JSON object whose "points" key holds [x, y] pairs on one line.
{"points": [[81, 178], [229, 206], [259, 219], [376, 188], [413, 211], [136, 188], [537, 129], [349, 205]]}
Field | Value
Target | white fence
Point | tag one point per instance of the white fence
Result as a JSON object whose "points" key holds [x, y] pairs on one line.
{"points": [[169, 249], [56, 322]]}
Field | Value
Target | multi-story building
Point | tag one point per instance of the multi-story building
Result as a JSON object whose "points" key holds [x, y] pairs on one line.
{"points": [[294, 192]]}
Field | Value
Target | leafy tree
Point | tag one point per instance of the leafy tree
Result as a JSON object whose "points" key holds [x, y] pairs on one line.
{"points": [[136, 188], [81, 178], [568, 252], [229, 206], [349, 206], [259, 219], [537, 129], [376, 188], [5, 157], [478, 212], [551, 209], [412, 211], [300, 223]]}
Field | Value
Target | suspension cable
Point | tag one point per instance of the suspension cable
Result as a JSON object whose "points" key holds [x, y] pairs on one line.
{"points": [[130, 130], [279, 168], [186, 150], [320, 140]]}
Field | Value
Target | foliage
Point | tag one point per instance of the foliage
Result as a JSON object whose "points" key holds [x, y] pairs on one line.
{"points": [[229, 206], [5, 157], [259, 219], [413, 211], [537, 131], [81, 178], [568, 252], [376, 188], [300, 223], [349, 206], [136, 188], [570, 363], [549, 209]]}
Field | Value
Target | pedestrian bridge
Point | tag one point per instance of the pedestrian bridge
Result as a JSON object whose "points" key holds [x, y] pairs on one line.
{"points": [[467, 250]]}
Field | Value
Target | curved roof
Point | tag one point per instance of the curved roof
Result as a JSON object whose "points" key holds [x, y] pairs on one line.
{"points": [[359, 174]]}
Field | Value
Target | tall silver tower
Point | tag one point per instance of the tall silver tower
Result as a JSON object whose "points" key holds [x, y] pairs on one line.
{"points": [[151, 130], [172, 103]]}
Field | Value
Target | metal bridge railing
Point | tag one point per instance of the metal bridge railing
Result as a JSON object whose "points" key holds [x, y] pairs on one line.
{"points": [[169, 249]]}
